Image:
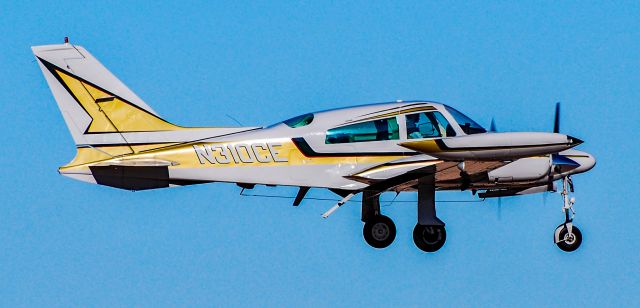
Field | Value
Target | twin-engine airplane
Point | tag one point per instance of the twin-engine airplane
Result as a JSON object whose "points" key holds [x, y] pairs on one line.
{"points": [[370, 149]]}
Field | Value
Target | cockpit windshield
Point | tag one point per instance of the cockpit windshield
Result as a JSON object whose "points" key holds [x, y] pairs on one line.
{"points": [[468, 126]]}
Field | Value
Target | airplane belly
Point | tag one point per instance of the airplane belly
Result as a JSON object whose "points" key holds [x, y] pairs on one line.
{"points": [[309, 175]]}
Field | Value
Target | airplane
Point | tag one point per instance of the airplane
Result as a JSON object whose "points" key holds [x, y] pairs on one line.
{"points": [[369, 149]]}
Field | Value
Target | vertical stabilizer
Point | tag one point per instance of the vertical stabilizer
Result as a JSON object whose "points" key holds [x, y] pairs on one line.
{"points": [[92, 100]]}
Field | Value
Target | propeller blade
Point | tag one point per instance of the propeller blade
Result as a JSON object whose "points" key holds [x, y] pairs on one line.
{"points": [[556, 159], [492, 127], [559, 163], [550, 175], [556, 121], [550, 181]]}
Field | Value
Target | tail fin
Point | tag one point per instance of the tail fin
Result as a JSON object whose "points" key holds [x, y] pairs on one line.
{"points": [[108, 121], [92, 100]]}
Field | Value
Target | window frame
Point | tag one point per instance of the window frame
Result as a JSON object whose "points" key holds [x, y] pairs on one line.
{"points": [[474, 127]]}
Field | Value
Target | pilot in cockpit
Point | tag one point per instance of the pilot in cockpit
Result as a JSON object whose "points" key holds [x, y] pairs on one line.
{"points": [[427, 125]]}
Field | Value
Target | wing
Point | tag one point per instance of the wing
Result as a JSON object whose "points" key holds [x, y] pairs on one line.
{"points": [[403, 174]]}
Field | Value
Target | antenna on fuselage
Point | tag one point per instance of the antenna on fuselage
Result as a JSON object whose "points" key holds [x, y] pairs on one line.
{"points": [[234, 119]]}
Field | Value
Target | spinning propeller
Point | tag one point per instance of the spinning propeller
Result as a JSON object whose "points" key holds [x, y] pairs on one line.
{"points": [[493, 129], [558, 162]]}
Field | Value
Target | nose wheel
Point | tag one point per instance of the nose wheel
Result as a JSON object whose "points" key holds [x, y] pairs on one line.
{"points": [[568, 241], [567, 236]]}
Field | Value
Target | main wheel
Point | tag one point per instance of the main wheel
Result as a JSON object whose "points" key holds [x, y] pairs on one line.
{"points": [[379, 232], [569, 242], [429, 238]]}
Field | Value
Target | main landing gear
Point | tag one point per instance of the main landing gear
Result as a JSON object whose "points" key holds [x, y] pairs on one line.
{"points": [[379, 231], [567, 236], [429, 233]]}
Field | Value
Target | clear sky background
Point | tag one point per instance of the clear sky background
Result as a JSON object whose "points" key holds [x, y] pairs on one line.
{"points": [[68, 243]]}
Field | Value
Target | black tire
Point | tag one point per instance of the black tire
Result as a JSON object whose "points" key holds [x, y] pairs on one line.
{"points": [[566, 242], [429, 238], [379, 232]]}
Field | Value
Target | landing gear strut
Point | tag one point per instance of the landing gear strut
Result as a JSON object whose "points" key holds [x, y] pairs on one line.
{"points": [[379, 231], [429, 234], [567, 236]]}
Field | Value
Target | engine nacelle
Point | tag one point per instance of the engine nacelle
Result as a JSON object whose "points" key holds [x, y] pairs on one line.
{"points": [[493, 146], [521, 170]]}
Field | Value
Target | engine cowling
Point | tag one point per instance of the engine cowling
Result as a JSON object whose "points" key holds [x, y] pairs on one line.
{"points": [[493, 146], [522, 170]]}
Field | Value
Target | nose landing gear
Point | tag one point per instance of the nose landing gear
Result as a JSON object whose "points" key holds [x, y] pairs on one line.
{"points": [[567, 236]]}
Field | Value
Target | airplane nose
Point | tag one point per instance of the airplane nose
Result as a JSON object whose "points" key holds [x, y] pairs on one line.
{"points": [[589, 163], [574, 141]]}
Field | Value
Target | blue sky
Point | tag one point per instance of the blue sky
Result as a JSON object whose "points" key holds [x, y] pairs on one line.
{"points": [[67, 243]]}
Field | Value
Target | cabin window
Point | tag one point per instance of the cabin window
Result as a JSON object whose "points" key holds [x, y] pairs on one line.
{"points": [[377, 130], [428, 125], [299, 121]]}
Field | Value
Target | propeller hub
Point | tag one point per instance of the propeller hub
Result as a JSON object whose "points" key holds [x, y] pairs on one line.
{"points": [[574, 141]]}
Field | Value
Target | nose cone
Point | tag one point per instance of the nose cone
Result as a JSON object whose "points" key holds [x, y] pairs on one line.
{"points": [[573, 141]]}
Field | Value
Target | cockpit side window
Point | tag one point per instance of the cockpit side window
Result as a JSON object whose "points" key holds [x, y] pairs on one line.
{"points": [[466, 124], [428, 125], [299, 121], [377, 130]]}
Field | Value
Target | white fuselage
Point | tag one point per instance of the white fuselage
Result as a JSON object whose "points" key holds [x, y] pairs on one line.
{"points": [[303, 156]]}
